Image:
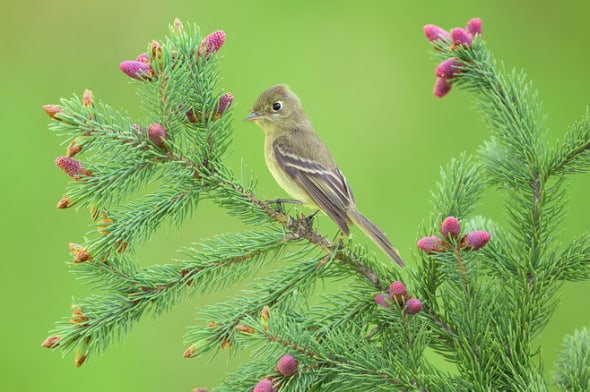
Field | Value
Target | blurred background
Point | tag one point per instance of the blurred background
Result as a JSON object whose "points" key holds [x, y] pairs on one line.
{"points": [[365, 76]]}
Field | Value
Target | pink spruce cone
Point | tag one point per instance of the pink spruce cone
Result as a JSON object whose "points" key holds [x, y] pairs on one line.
{"points": [[264, 385], [287, 365], [448, 68], [225, 102], [441, 87], [380, 300], [475, 240], [450, 227], [474, 26], [136, 69], [413, 306], [460, 36], [397, 288], [212, 43], [434, 33], [157, 133], [71, 167], [430, 244]]}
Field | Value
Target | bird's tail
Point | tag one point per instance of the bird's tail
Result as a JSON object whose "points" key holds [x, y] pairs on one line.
{"points": [[374, 233]]}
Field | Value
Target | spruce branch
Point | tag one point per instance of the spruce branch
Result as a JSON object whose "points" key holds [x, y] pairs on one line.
{"points": [[479, 296]]}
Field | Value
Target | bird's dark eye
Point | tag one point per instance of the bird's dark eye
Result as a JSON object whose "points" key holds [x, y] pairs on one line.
{"points": [[277, 106]]}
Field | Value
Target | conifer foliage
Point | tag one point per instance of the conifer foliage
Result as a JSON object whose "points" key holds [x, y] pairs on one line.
{"points": [[479, 294]]}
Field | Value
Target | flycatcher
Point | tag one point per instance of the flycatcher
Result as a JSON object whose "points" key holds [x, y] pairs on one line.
{"points": [[304, 167]]}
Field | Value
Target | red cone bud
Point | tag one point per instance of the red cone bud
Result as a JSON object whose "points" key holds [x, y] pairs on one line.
{"points": [[397, 288], [71, 167], [264, 385], [225, 102], [448, 68], [430, 244], [136, 69], [380, 300], [413, 306], [474, 26], [450, 227], [157, 134], [441, 87], [475, 239], [460, 36], [287, 365], [212, 43], [434, 32]]}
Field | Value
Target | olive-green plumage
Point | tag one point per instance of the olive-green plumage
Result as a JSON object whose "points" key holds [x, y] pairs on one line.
{"points": [[304, 167]]}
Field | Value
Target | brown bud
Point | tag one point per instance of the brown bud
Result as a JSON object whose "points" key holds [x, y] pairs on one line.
{"points": [[264, 317], [156, 50], [73, 149], [52, 110], [64, 202], [245, 329], [51, 342], [77, 315], [121, 246], [190, 352], [104, 223], [80, 359], [226, 344], [80, 253]]}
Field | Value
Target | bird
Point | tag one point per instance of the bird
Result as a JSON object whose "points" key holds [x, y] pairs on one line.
{"points": [[303, 166]]}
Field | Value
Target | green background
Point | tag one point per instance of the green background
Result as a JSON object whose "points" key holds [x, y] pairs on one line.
{"points": [[365, 75]]}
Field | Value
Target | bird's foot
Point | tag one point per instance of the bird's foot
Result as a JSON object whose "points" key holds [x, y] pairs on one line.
{"points": [[279, 203]]}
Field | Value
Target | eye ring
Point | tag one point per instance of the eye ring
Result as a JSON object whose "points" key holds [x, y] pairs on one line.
{"points": [[277, 106]]}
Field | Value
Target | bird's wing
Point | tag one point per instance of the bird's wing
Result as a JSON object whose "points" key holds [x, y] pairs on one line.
{"points": [[327, 187]]}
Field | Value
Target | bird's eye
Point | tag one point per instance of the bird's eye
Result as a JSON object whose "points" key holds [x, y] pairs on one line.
{"points": [[277, 106]]}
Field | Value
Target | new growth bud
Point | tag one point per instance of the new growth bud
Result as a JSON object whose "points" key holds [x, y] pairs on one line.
{"points": [[51, 342], [87, 100], [52, 110], [64, 202]]}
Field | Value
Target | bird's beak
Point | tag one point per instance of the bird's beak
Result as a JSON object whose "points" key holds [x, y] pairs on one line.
{"points": [[254, 116]]}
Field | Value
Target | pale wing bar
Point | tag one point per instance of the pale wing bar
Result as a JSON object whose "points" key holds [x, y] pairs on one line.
{"points": [[327, 188]]}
